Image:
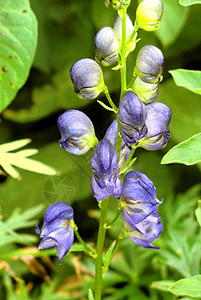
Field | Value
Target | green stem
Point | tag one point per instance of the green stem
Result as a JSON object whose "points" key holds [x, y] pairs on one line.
{"points": [[107, 94], [123, 53], [129, 158], [100, 244], [119, 209], [88, 249]]}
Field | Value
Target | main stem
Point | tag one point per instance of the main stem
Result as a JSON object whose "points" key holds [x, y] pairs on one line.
{"points": [[123, 54], [99, 249]]}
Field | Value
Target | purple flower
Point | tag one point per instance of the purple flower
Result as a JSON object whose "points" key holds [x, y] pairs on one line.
{"points": [[149, 64], [87, 78], [106, 179], [57, 230], [148, 230], [139, 196], [132, 115], [157, 122], [106, 46], [139, 214], [77, 132]]}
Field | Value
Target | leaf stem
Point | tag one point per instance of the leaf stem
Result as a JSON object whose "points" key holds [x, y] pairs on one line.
{"points": [[123, 53], [107, 94], [88, 249]]}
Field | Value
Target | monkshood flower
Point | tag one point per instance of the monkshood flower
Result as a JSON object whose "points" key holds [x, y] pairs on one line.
{"points": [[106, 179], [149, 14], [111, 136], [106, 46], [87, 78], [139, 199], [132, 115], [57, 230], [147, 92], [149, 64], [157, 122], [77, 132], [129, 31], [151, 228]]}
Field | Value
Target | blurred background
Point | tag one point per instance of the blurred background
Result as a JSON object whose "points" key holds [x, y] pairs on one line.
{"points": [[66, 31]]}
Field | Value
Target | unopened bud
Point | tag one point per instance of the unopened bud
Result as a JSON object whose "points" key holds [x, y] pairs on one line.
{"points": [[147, 92]]}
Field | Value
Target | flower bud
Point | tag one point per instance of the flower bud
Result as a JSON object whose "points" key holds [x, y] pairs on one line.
{"points": [[106, 46], [139, 198], [77, 132], [149, 64], [157, 122], [132, 116], [87, 78], [147, 92], [106, 179], [119, 4], [57, 230], [149, 14], [129, 28]]}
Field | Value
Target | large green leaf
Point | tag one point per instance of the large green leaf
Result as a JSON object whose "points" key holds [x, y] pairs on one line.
{"points": [[18, 34], [187, 152], [187, 287], [173, 21], [189, 79], [189, 2]]}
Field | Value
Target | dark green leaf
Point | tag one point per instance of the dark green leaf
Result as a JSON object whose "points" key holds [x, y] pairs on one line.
{"points": [[18, 34]]}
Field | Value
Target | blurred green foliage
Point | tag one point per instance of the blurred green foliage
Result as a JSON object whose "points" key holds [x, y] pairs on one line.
{"points": [[66, 30]]}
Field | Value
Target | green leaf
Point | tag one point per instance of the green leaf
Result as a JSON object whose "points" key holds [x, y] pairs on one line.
{"points": [[162, 285], [187, 287], [187, 152], [173, 21], [18, 33], [106, 257], [198, 212], [189, 2], [189, 79], [90, 295]]}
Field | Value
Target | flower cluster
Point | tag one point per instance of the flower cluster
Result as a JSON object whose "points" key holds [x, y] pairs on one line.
{"points": [[140, 122]]}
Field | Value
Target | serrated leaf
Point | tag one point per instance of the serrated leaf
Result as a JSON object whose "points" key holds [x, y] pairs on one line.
{"points": [[187, 152], [173, 21], [18, 34], [189, 2], [188, 79], [187, 287]]}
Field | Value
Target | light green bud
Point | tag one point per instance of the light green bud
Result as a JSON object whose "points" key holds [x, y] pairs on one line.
{"points": [[149, 14], [147, 92]]}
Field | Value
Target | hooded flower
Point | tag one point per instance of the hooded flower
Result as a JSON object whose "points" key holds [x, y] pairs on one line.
{"points": [[157, 122], [77, 132], [139, 214], [106, 46], [57, 230], [87, 78], [106, 179], [132, 115]]}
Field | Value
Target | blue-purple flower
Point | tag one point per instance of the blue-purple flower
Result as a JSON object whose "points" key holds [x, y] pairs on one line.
{"points": [[57, 230], [87, 78], [106, 179], [157, 122], [77, 132], [139, 211], [149, 64], [132, 115], [106, 46]]}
